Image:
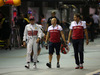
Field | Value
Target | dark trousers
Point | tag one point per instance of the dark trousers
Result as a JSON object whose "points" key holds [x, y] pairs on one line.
{"points": [[92, 34], [78, 45]]}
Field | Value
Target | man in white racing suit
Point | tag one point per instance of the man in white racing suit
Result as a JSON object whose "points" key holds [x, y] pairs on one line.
{"points": [[32, 34]]}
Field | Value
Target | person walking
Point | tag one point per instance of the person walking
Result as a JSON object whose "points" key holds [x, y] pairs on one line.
{"points": [[33, 34], [53, 35], [77, 30]]}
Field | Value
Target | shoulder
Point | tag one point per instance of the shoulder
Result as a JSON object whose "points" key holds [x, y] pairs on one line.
{"points": [[27, 25], [56, 18], [72, 22], [59, 26], [50, 26], [49, 18], [83, 21], [40, 26]]}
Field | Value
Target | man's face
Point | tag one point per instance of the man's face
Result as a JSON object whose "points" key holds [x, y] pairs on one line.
{"points": [[76, 18], [53, 21], [32, 21], [53, 14]]}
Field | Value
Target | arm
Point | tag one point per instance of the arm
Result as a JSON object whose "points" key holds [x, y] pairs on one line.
{"points": [[63, 37], [89, 23], [47, 37], [86, 34], [24, 37], [39, 35], [48, 21], [70, 33], [46, 28]]}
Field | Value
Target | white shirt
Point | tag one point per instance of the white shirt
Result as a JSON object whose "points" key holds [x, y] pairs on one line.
{"points": [[82, 23], [96, 18], [58, 27]]}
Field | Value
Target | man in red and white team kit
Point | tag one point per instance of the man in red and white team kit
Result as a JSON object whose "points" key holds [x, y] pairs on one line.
{"points": [[32, 34], [77, 29], [53, 35]]}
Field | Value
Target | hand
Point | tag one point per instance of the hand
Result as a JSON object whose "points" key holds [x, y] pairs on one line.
{"points": [[87, 42], [37, 41], [24, 44], [68, 42], [45, 44]]}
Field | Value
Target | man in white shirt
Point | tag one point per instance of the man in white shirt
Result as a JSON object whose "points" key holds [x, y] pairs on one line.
{"points": [[96, 22]]}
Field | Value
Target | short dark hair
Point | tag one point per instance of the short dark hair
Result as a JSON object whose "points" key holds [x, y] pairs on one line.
{"points": [[53, 12], [77, 15]]}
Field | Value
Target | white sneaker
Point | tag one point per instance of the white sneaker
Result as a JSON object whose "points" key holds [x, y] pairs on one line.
{"points": [[34, 66]]}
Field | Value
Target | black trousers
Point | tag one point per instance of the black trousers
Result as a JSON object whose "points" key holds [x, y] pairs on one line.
{"points": [[78, 45]]}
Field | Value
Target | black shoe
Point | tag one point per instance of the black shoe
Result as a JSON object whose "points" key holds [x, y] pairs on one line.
{"points": [[49, 65], [27, 66], [58, 65], [37, 61]]}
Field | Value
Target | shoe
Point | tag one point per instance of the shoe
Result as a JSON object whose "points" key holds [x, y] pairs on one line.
{"points": [[81, 67], [37, 61], [58, 65], [77, 67], [34, 66], [49, 65], [27, 66]]}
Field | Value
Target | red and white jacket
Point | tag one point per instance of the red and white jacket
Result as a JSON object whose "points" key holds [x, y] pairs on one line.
{"points": [[55, 33], [32, 31], [78, 29]]}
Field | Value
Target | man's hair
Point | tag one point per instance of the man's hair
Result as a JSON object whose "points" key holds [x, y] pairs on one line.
{"points": [[77, 15], [53, 12]]}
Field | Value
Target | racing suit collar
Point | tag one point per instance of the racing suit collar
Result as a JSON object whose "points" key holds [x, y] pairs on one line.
{"points": [[33, 24]]}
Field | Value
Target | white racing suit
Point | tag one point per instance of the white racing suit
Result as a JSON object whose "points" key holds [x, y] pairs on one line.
{"points": [[31, 33]]}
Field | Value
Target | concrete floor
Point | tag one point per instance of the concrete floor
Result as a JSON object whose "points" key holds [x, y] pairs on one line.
{"points": [[12, 62]]}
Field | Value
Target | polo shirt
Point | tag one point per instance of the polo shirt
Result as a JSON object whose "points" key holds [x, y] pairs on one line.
{"points": [[78, 29], [55, 33]]}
